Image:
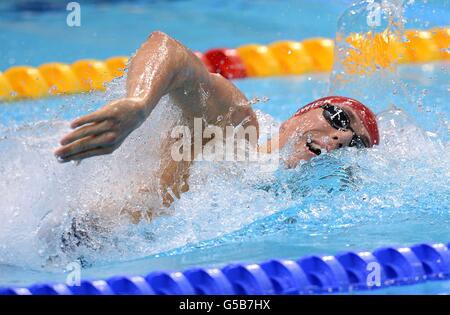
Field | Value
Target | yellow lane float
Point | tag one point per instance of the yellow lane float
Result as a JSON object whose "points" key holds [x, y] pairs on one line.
{"points": [[60, 78], [321, 51], [368, 52], [292, 57], [6, 90], [441, 38], [259, 61], [420, 46], [27, 81], [92, 74], [117, 65]]}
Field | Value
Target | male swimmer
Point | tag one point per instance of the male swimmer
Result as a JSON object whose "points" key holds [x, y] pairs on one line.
{"points": [[164, 66]]}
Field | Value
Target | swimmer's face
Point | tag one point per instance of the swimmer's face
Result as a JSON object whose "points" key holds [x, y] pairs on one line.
{"points": [[311, 134]]}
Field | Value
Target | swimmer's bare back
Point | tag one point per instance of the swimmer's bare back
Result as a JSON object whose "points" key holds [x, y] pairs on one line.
{"points": [[161, 66]]}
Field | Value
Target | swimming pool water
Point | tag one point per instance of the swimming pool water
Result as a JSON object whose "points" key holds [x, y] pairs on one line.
{"points": [[32, 37], [312, 224], [394, 195]]}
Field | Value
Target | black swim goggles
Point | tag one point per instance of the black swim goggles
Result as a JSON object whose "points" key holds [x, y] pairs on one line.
{"points": [[339, 119]]}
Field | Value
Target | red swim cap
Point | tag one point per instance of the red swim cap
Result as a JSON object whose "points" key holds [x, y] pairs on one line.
{"points": [[367, 117]]}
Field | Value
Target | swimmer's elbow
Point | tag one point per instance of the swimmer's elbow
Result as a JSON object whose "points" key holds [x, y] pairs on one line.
{"points": [[161, 37], [176, 51], [158, 35]]}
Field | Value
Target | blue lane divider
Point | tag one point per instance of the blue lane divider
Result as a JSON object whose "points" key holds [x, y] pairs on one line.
{"points": [[49, 289], [435, 259], [401, 265], [14, 291], [129, 285], [361, 270], [248, 279], [287, 277], [325, 273], [209, 281], [311, 274], [169, 283], [99, 287]]}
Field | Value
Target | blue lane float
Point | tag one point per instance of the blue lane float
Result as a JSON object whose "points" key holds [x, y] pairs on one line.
{"points": [[400, 265], [135, 285], [99, 287], [287, 277], [169, 283], [325, 273], [314, 274], [209, 281], [357, 266]]}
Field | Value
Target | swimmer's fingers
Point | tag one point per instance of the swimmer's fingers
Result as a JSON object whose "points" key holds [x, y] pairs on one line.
{"points": [[96, 116], [105, 140], [88, 154], [86, 131]]}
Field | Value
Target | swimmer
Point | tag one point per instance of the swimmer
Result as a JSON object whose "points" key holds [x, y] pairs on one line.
{"points": [[163, 66]]}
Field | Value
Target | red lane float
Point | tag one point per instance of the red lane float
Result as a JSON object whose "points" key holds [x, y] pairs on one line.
{"points": [[225, 62]]}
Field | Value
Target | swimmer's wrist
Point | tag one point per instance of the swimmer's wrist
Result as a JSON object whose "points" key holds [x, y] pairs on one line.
{"points": [[140, 105], [138, 101], [146, 104]]}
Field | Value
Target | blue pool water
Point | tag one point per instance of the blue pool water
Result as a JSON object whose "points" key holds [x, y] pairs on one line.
{"points": [[30, 36], [396, 194]]}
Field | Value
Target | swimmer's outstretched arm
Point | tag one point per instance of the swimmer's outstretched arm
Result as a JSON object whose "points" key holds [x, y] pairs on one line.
{"points": [[161, 66]]}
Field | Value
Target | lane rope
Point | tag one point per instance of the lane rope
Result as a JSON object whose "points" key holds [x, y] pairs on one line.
{"points": [[253, 60], [314, 274]]}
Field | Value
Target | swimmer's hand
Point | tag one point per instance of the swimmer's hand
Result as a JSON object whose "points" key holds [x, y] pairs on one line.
{"points": [[102, 131]]}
